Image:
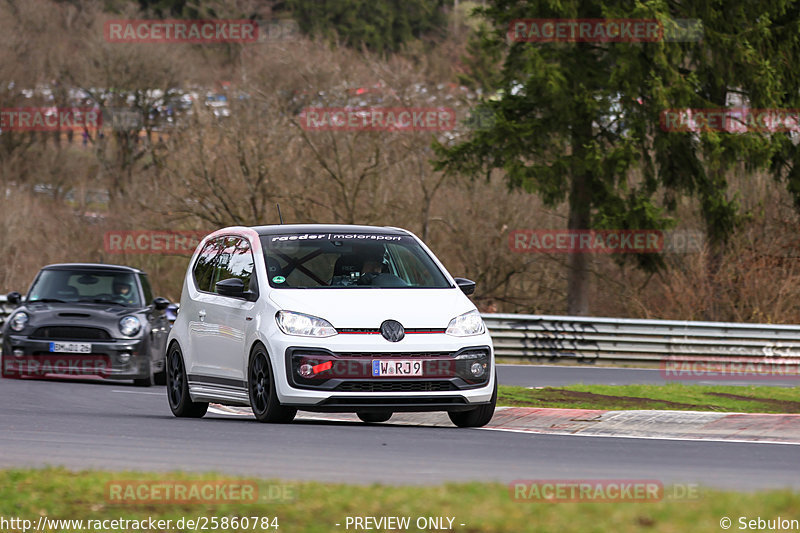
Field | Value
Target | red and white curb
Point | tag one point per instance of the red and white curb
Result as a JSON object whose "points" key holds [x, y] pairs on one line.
{"points": [[665, 425]]}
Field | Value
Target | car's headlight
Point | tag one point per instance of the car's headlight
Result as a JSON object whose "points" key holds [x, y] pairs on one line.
{"points": [[304, 325], [467, 324], [129, 325], [19, 321]]}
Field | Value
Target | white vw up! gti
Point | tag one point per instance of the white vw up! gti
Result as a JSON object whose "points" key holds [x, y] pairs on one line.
{"points": [[328, 319]]}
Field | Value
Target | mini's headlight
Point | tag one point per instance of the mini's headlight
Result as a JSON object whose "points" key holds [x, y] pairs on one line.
{"points": [[129, 325], [19, 321], [466, 325], [292, 323]]}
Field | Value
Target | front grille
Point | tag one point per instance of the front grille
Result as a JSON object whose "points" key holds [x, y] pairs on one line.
{"points": [[395, 386], [405, 402], [377, 331], [71, 333], [385, 355]]}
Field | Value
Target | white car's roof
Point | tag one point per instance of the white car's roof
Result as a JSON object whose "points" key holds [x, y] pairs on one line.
{"points": [[326, 228]]}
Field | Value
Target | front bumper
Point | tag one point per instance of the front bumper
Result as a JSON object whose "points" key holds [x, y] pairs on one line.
{"points": [[348, 384], [115, 359]]}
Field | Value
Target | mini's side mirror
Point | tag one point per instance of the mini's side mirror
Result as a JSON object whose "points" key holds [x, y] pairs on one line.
{"points": [[230, 287], [14, 298], [160, 303], [467, 286]]}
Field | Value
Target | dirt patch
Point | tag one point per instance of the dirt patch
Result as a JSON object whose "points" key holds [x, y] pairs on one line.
{"points": [[785, 406]]}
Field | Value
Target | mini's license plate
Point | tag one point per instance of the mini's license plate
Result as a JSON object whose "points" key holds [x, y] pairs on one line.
{"points": [[396, 368], [70, 347]]}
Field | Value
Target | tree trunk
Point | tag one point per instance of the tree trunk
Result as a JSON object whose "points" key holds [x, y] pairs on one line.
{"points": [[578, 263], [580, 212]]}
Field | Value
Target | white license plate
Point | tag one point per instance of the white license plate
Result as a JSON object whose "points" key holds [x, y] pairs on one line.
{"points": [[396, 368], [70, 347]]}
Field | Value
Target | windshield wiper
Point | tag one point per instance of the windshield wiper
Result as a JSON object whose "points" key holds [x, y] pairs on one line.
{"points": [[47, 300]]}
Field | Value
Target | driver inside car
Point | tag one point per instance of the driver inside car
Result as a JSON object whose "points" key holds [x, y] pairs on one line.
{"points": [[122, 292], [375, 272]]}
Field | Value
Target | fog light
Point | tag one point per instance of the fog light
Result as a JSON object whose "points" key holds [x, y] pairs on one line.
{"points": [[18, 352], [306, 370], [478, 369], [124, 356]]}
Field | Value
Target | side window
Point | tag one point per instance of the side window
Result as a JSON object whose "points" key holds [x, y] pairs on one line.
{"points": [[235, 260], [148, 292], [204, 266]]}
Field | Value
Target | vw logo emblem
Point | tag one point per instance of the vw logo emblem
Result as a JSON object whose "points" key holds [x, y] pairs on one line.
{"points": [[392, 331]]}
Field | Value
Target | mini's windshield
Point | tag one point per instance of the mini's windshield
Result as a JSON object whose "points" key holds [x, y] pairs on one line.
{"points": [[90, 286], [348, 260]]}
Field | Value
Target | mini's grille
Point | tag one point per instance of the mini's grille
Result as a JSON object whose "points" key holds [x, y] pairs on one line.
{"points": [[71, 333]]}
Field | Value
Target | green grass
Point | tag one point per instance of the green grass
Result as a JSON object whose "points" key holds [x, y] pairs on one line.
{"points": [[672, 396], [317, 507]]}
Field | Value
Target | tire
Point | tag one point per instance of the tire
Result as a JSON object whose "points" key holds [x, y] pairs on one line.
{"points": [[261, 388], [478, 417], [160, 378], [374, 417], [144, 382], [180, 403]]}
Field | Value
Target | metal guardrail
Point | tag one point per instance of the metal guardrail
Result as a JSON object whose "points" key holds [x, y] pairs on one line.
{"points": [[624, 339]]}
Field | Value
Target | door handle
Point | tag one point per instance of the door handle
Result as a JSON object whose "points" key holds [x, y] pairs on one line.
{"points": [[202, 314]]}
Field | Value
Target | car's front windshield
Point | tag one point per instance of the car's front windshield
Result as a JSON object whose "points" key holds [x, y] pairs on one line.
{"points": [[84, 285], [349, 260]]}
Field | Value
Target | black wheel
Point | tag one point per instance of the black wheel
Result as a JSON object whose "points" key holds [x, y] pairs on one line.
{"points": [[180, 402], [478, 417], [160, 378], [374, 417], [263, 396], [146, 381]]}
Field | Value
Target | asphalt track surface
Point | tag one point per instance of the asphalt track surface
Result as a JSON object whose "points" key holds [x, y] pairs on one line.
{"points": [[112, 425]]}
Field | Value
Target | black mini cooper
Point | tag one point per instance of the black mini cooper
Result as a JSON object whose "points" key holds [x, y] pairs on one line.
{"points": [[87, 319]]}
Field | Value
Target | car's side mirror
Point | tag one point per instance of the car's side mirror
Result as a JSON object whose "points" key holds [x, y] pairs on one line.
{"points": [[230, 287], [467, 286], [160, 303], [14, 298]]}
